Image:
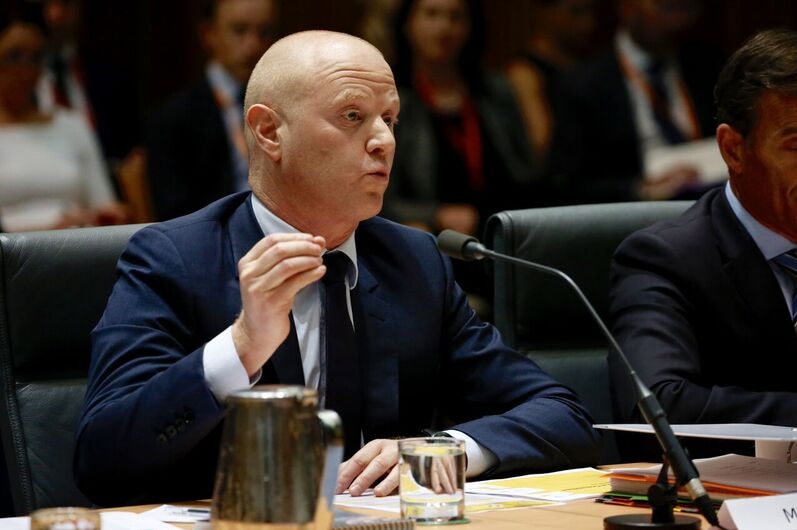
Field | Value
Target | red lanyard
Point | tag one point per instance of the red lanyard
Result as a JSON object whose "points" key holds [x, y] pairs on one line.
{"points": [[467, 139]]}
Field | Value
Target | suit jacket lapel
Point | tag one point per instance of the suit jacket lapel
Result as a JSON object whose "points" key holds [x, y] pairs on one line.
{"points": [[379, 361], [285, 366], [750, 273]]}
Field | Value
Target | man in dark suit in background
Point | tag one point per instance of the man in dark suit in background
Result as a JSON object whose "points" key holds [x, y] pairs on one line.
{"points": [[196, 147], [648, 91], [703, 305], [214, 301]]}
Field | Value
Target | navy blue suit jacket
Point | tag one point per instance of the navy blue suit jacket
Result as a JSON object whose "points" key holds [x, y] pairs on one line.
{"points": [[700, 314], [150, 427]]}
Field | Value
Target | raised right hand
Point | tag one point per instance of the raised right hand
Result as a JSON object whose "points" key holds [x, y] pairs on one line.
{"points": [[270, 275]]}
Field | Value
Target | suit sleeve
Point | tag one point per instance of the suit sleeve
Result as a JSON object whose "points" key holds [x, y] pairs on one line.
{"points": [[654, 307], [147, 404], [505, 402]]}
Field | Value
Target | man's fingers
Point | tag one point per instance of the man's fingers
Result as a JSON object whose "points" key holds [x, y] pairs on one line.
{"points": [[374, 460], [272, 239], [389, 484], [255, 264], [351, 468], [282, 273], [377, 468], [447, 479]]}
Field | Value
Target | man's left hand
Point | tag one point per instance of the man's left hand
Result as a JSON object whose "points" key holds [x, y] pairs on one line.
{"points": [[378, 458]]}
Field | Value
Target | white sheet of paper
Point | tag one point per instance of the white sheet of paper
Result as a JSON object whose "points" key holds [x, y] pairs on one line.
{"points": [[703, 155], [724, 431], [169, 513], [391, 502], [776, 512]]}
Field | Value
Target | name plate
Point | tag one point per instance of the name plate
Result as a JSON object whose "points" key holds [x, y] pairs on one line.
{"points": [[776, 512]]}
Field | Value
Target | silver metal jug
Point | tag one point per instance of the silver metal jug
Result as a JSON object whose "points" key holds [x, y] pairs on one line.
{"points": [[278, 461]]}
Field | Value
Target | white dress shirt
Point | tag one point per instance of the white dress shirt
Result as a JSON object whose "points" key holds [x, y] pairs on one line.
{"points": [[771, 244], [224, 372], [650, 137]]}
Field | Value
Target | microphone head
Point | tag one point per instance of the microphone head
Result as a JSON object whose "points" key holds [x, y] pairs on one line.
{"points": [[457, 245]]}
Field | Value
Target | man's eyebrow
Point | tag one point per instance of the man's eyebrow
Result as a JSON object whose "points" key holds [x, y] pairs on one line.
{"points": [[349, 94]]}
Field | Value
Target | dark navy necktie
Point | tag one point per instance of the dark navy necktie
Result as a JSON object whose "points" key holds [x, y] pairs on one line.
{"points": [[342, 365], [788, 263]]}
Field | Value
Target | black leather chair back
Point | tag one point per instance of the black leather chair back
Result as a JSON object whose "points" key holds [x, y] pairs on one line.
{"points": [[540, 315], [53, 289]]}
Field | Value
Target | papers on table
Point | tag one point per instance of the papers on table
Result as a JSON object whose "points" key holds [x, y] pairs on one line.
{"points": [[178, 514], [703, 155], [727, 476], [516, 492], [725, 431]]}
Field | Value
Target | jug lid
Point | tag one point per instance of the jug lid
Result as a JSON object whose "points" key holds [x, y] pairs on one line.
{"points": [[261, 392]]}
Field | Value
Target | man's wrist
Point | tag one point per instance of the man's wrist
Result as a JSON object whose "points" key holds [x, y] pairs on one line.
{"points": [[443, 434]]}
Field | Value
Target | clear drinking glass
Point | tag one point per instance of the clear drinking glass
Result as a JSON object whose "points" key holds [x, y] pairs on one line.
{"points": [[65, 519], [432, 479]]}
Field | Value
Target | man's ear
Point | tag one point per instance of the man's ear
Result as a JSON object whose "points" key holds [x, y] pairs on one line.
{"points": [[263, 122], [732, 148]]}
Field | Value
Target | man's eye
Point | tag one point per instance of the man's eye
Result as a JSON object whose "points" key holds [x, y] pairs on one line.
{"points": [[352, 115], [390, 121]]}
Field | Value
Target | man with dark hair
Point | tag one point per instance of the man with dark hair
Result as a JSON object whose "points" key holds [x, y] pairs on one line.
{"points": [[704, 305], [196, 147]]}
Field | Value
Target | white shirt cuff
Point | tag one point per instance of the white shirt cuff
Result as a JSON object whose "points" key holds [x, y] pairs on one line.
{"points": [[224, 371], [480, 459]]}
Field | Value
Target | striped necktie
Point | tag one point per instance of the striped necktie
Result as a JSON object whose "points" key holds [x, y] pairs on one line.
{"points": [[788, 263]]}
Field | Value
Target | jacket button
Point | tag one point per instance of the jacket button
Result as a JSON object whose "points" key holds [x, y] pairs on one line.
{"points": [[171, 432], [161, 438]]}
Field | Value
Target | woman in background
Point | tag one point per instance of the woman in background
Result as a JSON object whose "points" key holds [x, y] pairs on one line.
{"points": [[562, 33], [51, 171], [461, 149]]}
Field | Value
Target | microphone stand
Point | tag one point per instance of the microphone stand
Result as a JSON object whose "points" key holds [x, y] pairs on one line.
{"points": [[469, 248]]}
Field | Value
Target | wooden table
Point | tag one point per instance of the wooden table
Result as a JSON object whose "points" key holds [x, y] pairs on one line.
{"points": [[577, 515]]}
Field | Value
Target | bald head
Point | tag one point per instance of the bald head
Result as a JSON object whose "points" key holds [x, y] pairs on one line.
{"points": [[321, 107], [285, 74]]}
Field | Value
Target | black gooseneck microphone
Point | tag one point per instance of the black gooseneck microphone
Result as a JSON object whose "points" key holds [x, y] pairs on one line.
{"points": [[469, 248]]}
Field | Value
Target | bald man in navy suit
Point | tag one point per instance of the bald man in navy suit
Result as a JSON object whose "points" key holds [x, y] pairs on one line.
{"points": [[213, 302]]}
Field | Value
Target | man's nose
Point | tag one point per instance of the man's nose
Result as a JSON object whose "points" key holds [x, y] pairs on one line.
{"points": [[382, 138]]}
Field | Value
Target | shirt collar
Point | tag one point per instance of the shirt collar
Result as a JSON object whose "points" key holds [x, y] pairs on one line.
{"points": [[271, 224], [220, 79], [771, 244]]}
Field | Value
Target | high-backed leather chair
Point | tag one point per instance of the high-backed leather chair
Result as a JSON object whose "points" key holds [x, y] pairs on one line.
{"points": [[540, 315], [53, 289]]}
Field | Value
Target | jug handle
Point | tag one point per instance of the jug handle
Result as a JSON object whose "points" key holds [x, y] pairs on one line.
{"points": [[333, 437]]}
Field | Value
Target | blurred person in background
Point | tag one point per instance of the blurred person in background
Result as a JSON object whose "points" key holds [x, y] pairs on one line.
{"points": [[651, 91], [51, 169], [376, 25], [87, 80], [461, 147], [195, 147], [63, 80], [561, 34]]}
